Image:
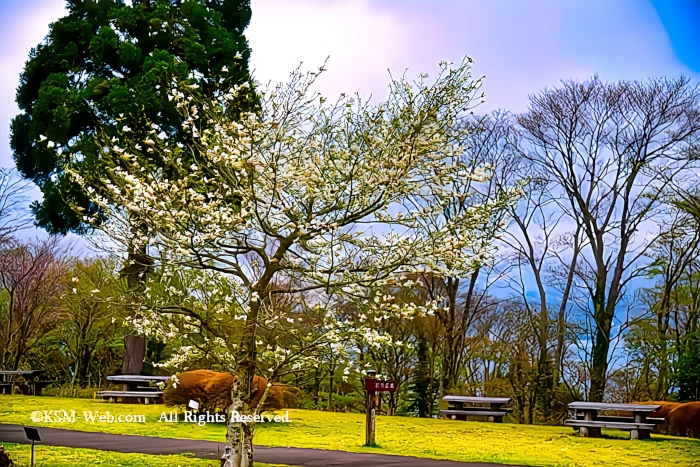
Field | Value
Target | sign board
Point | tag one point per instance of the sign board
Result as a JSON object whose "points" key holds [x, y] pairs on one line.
{"points": [[32, 434], [380, 386]]}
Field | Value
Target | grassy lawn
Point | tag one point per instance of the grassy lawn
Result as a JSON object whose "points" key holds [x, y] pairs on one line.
{"points": [[443, 439], [50, 456]]}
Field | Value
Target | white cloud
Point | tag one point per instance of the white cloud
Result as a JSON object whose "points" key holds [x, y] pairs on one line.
{"points": [[361, 41]]}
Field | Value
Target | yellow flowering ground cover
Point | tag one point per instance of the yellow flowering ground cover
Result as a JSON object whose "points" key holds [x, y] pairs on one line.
{"points": [[440, 439], [51, 456]]}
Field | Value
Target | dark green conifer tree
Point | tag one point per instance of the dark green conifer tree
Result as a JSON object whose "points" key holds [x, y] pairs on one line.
{"points": [[107, 66]]}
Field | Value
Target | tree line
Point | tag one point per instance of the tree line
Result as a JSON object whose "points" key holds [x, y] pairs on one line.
{"points": [[595, 283]]}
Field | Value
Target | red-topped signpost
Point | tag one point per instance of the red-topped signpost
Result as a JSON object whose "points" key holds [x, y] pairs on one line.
{"points": [[372, 387]]}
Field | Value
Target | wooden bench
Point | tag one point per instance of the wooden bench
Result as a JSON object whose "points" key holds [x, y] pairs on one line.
{"points": [[25, 380], [590, 422], [614, 418], [146, 396], [491, 407]]}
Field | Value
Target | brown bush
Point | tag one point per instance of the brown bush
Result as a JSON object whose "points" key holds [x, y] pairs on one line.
{"points": [[212, 390], [274, 399], [684, 420], [5, 460], [292, 397], [191, 386], [282, 396], [218, 390]]}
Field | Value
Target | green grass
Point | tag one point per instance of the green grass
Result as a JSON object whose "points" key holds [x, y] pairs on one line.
{"points": [[50, 456], [442, 439]]}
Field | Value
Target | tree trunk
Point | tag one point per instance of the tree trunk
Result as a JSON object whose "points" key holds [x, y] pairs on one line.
{"points": [[601, 347], [561, 315], [431, 391], [134, 353], [331, 382], [453, 339], [543, 382], [134, 346], [4, 337], [317, 387], [663, 317], [84, 364], [239, 434], [559, 351], [393, 403], [422, 383]]}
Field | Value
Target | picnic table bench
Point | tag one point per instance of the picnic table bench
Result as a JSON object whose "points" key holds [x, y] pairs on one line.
{"points": [[25, 380], [129, 396], [461, 407], [134, 390], [589, 421]]}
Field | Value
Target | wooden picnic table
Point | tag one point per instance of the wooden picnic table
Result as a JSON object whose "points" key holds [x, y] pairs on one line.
{"points": [[137, 378], [590, 421], [461, 407], [133, 388], [24, 379]]}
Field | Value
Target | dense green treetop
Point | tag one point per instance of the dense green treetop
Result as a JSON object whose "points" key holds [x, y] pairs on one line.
{"points": [[107, 67]]}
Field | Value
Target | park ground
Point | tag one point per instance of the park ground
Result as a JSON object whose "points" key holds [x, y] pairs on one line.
{"points": [[51, 456], [429, 438]]}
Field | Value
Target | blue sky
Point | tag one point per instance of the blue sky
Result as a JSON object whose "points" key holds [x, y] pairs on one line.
{"points": [[681, 20], [521, 46]]}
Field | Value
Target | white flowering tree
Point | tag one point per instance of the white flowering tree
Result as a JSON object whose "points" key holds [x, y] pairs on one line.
{"points": [[301, 196]]}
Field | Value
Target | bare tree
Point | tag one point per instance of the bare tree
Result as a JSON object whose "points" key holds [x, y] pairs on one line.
{"points": [[611, 149], [32, 275], [536, 243], [13, 211], [484, 147]]}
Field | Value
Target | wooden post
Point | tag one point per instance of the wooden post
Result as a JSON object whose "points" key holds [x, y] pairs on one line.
{"points": [[370, 412], [370, 438]]}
